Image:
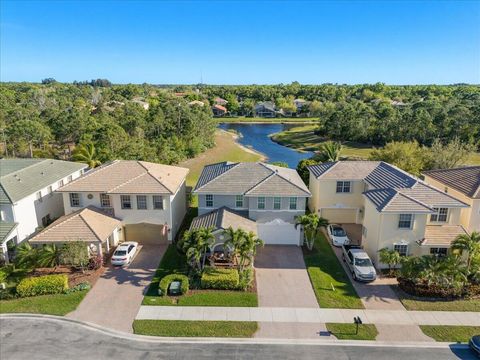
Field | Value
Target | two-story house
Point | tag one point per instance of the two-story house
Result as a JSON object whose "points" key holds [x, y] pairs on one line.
{"points": [[389, 207], [253, 195], [28, 201], [464, 184]]}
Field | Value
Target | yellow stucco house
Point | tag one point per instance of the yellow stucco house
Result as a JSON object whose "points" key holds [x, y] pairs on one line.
{"points": [[384, 206], [464, 184]]}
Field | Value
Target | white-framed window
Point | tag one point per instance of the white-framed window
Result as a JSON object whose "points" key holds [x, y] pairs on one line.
{"points": [[60, 183], [402, 249], [50, 191], [69, 178], [158, 202], [293, 203], [405, 221], [105, 201], [141, 202], [74, 199], [440, 215], [438, 251], [209, 200], [126, 202], [344, 186], [239, 201], [38, 195], [261, 202], [277, 203]]}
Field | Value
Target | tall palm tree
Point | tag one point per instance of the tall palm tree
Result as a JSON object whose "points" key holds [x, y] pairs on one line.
{"points": [[87, 154], [248, 248], [196, 244], [234, 239], [469, 243], [310, 224], [330, 150]]}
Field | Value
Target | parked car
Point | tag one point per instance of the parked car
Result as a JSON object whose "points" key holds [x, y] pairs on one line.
{"points": [[474, 344], [337, 235], [124, 253], [359, 263]]}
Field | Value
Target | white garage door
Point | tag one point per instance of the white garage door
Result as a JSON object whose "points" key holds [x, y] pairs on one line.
{"points": [[278, 232], [341, 216]]}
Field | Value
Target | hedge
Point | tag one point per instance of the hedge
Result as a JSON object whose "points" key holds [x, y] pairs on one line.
{"points": [[43, 285], [167, 280], [225, 279]]}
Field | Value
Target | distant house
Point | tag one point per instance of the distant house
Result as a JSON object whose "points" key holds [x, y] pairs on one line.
{"points": [[196, 103], [145, 105], [299, 103], [220, 101], [219, 110], [265, 109]]}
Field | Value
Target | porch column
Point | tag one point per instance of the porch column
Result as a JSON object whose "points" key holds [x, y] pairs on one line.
{"points": [[99, 248], [5, 252], [108, 245]]}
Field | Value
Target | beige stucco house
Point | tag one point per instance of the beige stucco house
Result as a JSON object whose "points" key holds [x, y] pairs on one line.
{"points": [[464, 184], [389, 207]]}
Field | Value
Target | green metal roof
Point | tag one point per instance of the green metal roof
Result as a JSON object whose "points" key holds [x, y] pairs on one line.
{"points": [[6, 229], [22, 177]]}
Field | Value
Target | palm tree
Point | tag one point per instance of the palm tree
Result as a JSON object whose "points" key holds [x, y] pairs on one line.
{"points": [[87, 154], [310, 224], [26, 256], [234, 239], [196, 244], [469, 243], [248, 248], [49, 256], [390, 257], [330, 150]]}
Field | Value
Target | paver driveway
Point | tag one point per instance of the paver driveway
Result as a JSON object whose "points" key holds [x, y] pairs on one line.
{"points": [[117, 295]]}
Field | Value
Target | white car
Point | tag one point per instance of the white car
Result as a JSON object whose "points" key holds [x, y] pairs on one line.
{"points": [[337, 235], [124, 253]]}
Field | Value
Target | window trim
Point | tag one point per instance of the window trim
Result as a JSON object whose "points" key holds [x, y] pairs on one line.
{"points": [[437, 215], [102, 199], [122, 202], [155, 202], [73, 202], [239, 199], [209, 198], [401, 245], [400, 221], [437, 252], [138, 202], [263, 202], [279, 203], [340, 185], [295, 203]]}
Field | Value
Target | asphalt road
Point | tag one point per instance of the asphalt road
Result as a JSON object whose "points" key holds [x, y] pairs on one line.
{"points": [[27, 338]]}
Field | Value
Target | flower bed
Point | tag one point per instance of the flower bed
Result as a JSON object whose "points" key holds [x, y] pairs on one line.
{"points": [[432, 291]]}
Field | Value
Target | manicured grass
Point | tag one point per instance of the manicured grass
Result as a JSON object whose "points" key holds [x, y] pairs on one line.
{"points": [[347, 331], [303, 138], [449, 333], [60, 304], [415, 303], [226, 149], [242, 329], [243, 119], [325, 270], [174, 262]]}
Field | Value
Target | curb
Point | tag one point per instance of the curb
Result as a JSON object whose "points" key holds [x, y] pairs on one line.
{"points": [[211, 340]]}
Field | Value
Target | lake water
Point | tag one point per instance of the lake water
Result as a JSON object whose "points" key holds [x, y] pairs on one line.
{"points": [[256, 136]]}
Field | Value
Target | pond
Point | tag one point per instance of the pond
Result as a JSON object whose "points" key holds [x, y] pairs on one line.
{"points": [[256, 137]]}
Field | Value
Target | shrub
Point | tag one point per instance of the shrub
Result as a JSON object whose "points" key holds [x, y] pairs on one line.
{"points": [[167, 280], [42, 285], [246, 278], [225, 279], [3, 276], [95, 262], [80, 287]]}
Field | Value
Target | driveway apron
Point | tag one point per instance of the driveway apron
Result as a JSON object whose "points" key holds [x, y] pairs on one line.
{"points": [[116, 297]]}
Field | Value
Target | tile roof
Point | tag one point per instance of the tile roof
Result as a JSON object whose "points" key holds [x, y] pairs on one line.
{"points": [[385, 175], [250, 179], [442, 234], [89, 225], [20, 178], [222, 218], [465, 179], [220, 107], [390, 200], [130, 176], [6, 229], [346, 170]]}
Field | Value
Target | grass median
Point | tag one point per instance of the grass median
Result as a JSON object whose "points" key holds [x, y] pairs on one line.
{"points": [[178, 328], [450, 333], [348, 331], [330, 283]]}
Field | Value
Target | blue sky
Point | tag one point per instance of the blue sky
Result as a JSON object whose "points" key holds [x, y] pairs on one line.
{"points": [[241, 42]]}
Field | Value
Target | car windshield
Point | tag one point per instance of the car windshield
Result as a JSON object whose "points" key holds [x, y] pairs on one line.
{"points": [[363, 262], [338, 232], [120, 253]]}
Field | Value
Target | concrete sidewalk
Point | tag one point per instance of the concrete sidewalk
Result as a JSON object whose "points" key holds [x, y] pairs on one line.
{"points": [[308, 315]]}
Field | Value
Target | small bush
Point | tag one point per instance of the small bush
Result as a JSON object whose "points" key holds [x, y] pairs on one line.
{"points": [[80, 287], [167, 280], [95, 263], [224, 279], [246, 279], [42, 285]]}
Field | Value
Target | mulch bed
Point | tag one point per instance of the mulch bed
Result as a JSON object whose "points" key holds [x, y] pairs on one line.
{"points": [[75, 276]]}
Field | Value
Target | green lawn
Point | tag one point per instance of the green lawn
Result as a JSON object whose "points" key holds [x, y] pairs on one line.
{"points": [[449, 333], [347, 331], [415, 303], [237, 329], [174, 262], [60, 304], [243, 119], [331, 284]]}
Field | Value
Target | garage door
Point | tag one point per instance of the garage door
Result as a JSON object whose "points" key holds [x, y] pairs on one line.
{"points": [[149, 234], [341, 216], [278, 232]]}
